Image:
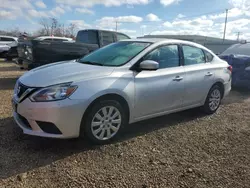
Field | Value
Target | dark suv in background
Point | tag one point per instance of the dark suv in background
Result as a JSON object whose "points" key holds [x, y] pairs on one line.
{"points": [[35, 53]]}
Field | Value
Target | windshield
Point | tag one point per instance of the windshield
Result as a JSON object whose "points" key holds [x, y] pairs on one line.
{"points": [[115, 54], [238, 49]]}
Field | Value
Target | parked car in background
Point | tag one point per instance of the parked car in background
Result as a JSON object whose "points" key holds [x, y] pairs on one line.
{"points": [[121, 83], [24, 48], [238, 56], [35, 53], [8, 47], [50, 38]]}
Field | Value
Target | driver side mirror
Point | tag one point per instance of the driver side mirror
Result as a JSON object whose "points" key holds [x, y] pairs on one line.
{"points": [[149, 65]]}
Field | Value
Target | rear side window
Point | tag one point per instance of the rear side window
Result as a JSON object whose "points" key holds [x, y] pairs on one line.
{"points": [[89, 37], [107, 38], [193, 55], [209, 56], [7, 39], [121, 37]]}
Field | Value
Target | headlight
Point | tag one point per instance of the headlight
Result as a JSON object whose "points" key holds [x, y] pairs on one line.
{"points": [[53, 93]]}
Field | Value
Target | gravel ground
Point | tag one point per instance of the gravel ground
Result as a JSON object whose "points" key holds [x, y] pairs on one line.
{"points": [[184, 149]]}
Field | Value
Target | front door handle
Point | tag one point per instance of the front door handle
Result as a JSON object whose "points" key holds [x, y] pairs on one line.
{"points": [[209, 74], [178, 78]]}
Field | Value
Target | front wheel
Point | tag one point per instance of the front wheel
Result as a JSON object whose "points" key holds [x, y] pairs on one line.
{"points": [[104, 121], [213, 100]]}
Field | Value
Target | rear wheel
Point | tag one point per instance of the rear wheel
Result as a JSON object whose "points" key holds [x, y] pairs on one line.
{"points": [[213, 100], [104, 121]]}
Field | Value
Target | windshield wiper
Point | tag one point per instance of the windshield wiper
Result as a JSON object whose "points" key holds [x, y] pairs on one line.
{"points": [[91, 63]]}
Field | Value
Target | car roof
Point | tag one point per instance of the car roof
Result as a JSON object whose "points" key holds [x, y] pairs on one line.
{"points": [[49, 37], [167, 41], [9, 37]]}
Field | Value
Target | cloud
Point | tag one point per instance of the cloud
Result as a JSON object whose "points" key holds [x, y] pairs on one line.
{"points": [[153, 18], [234, 12], [169, 2], [37, 14], [180, 16], [80, 24], [84, 11], [4, 15], [40, 4], [167, 24], [55, 12], [15, 4], [127, 31], [110, 22], [107, 3], [242, 4], [65, 7]]}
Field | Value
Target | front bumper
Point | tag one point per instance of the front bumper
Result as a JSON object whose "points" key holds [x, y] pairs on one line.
{"points": [[66, 115]]}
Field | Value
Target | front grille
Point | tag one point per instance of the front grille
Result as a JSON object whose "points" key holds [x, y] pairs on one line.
{"points": [[21, 89], [24, 121]]}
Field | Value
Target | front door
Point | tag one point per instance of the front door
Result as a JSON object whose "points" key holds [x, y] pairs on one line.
{"points": [[161, 90]]}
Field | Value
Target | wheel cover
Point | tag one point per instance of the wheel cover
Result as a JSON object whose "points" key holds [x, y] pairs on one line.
{"points": [[106, 123], [214, 99]]}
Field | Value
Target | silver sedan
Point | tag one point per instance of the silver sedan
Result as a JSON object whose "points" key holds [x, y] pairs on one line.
{"points": [[125, 82]]}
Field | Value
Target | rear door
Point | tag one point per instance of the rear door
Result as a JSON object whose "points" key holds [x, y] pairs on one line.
{"points": [[199, 75]]}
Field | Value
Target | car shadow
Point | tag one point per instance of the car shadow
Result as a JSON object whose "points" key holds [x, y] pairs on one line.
{"points": [[21, 153], [7, 83]]}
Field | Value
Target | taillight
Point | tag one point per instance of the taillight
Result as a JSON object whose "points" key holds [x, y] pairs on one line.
{"points": [[230, 68]]}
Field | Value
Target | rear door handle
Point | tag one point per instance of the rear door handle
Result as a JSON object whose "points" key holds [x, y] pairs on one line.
{"points": [[178, 78], [209, 74]]}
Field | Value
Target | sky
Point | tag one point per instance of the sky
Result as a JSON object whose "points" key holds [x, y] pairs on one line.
{"points": [[133, 17]]}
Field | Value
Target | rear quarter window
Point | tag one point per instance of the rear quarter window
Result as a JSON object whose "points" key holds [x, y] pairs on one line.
{"points": [[209, 57]]}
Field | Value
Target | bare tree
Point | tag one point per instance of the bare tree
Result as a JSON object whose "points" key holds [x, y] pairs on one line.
{"points": [[51, 26], [72, 29], [45, 23]]}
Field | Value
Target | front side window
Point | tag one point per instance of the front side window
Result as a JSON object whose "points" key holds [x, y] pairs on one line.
{"points": [[115, 54], [166, 56], [193, 55]]}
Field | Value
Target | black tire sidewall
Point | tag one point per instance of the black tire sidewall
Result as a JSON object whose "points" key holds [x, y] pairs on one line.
{"points": [[206, 107], [86, 126]]}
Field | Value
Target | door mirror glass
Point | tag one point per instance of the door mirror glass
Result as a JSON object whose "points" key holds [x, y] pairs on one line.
{"points": [[149, 65]]}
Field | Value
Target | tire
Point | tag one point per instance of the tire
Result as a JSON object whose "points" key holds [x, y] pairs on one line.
{"points": [[103, 127], [213, 100]]}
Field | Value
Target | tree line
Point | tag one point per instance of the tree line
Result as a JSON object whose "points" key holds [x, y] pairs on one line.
{"points": [[49, 27]]}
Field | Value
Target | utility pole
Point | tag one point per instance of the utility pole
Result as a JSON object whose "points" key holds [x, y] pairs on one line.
{"points": [[225, 28], [116, 25], [238, 36]]}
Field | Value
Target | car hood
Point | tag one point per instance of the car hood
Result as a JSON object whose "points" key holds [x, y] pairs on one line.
{"points": [[62, 72]]}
